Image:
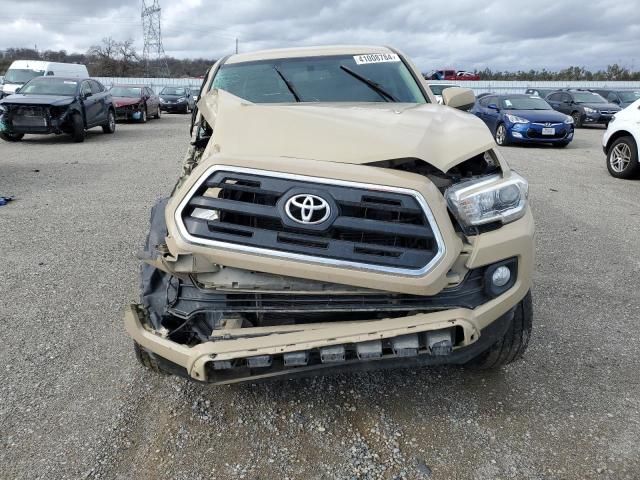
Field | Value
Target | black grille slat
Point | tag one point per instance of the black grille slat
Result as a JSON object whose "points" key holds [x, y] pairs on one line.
{"points": [[369, 227], [234, 206], [407, 230]]}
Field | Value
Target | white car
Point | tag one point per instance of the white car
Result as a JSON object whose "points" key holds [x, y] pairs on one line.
{"points": [[437, 88], [621, 140]]}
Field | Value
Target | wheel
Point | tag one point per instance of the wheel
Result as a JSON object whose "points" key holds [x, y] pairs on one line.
{"points": [[157, 115], [577, 119], [11, 137], [514, 342], [622, 158], [502, 137], [560, 144], [78, 133], [110, 126], [143, 118], [148, 359]]}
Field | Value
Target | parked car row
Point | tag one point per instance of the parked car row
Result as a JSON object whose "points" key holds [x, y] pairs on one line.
{"points": [[46, 104], [529, 118]]}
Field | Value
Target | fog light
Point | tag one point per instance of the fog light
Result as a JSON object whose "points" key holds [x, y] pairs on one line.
{"points": [[516, 134], [501, 276]]}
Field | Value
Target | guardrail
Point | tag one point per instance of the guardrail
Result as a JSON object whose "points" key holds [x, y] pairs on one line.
{"points": [[495, 86]]}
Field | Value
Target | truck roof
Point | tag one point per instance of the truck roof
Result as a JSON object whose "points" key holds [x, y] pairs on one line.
{"points": [[307, 52]]}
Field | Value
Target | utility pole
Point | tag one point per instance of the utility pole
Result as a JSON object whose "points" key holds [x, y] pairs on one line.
{"points": [[236, 44], [155, 60]]}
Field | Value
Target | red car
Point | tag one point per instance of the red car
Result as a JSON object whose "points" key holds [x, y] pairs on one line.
{"points": [[452, 74], [135, 102]]}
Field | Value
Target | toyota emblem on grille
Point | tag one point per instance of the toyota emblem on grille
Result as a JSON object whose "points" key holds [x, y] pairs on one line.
{"points": [[307, 209]]}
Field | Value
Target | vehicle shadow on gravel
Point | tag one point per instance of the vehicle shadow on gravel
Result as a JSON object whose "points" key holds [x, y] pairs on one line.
{"points": [[66, 140], [412, 385]]}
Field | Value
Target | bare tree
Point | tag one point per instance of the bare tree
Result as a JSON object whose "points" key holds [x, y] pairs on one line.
{"points": [[127, 57], [105, 55]]}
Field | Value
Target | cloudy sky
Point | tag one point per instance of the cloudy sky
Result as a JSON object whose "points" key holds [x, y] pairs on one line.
{"points": [[465, 34]]}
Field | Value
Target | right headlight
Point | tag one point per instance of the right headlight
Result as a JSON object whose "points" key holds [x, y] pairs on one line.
{"points": [[516, 119], [487, 200]]}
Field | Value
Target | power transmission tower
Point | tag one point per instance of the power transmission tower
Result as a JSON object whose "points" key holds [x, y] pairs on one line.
{"points": [[155, 60]]}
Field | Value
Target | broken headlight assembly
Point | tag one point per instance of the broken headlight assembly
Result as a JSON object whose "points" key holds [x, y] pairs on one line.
{"points": [[488, 200]]}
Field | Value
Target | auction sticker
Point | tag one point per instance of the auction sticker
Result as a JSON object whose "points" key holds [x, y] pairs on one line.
{"points": [[376, 58]]}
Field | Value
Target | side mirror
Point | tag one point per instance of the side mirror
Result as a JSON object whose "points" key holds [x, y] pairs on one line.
{"points": [[460, 98], [493, 106], [86, 95]]}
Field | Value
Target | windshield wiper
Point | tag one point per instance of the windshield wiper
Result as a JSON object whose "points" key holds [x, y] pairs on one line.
{"points": [[386, 96], [288, 84]]}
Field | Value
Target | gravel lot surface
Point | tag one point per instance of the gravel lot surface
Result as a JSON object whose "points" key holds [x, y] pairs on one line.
{"points": [[75, 404]]}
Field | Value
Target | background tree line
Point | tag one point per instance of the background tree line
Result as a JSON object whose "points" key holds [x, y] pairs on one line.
{"points": [[110, 58], [613, 72], [113, 58]]}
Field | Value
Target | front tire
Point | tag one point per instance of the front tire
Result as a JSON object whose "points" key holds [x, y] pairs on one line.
{"points": [[110, 126], [143, 118], [148, 359], [577, 119], [502, 137], [78, 132], [11, 137], [622, 158], [514, 342], [157, 115]]}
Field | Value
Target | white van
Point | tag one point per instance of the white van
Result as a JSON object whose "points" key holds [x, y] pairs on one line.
{"points": [[21, 71]]}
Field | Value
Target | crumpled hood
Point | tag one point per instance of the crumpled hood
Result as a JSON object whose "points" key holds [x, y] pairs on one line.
{"points": [[124, 101], [52, 100], [344, 132]]}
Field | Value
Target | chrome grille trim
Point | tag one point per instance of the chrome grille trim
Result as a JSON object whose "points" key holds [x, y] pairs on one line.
{"points": [[441, 247]]}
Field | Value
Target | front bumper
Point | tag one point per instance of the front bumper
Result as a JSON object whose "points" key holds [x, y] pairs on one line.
{"points": [[199, 363], [597, 118], [533, 133], [477, 329], [174, 107], [128, 113], [49, 125]]}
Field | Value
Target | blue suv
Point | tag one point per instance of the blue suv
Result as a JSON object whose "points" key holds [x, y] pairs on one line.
{"points": [[524, 119]]}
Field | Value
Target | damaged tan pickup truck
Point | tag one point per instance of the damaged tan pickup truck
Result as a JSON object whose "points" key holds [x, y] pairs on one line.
{"points": [[331, 215]]}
